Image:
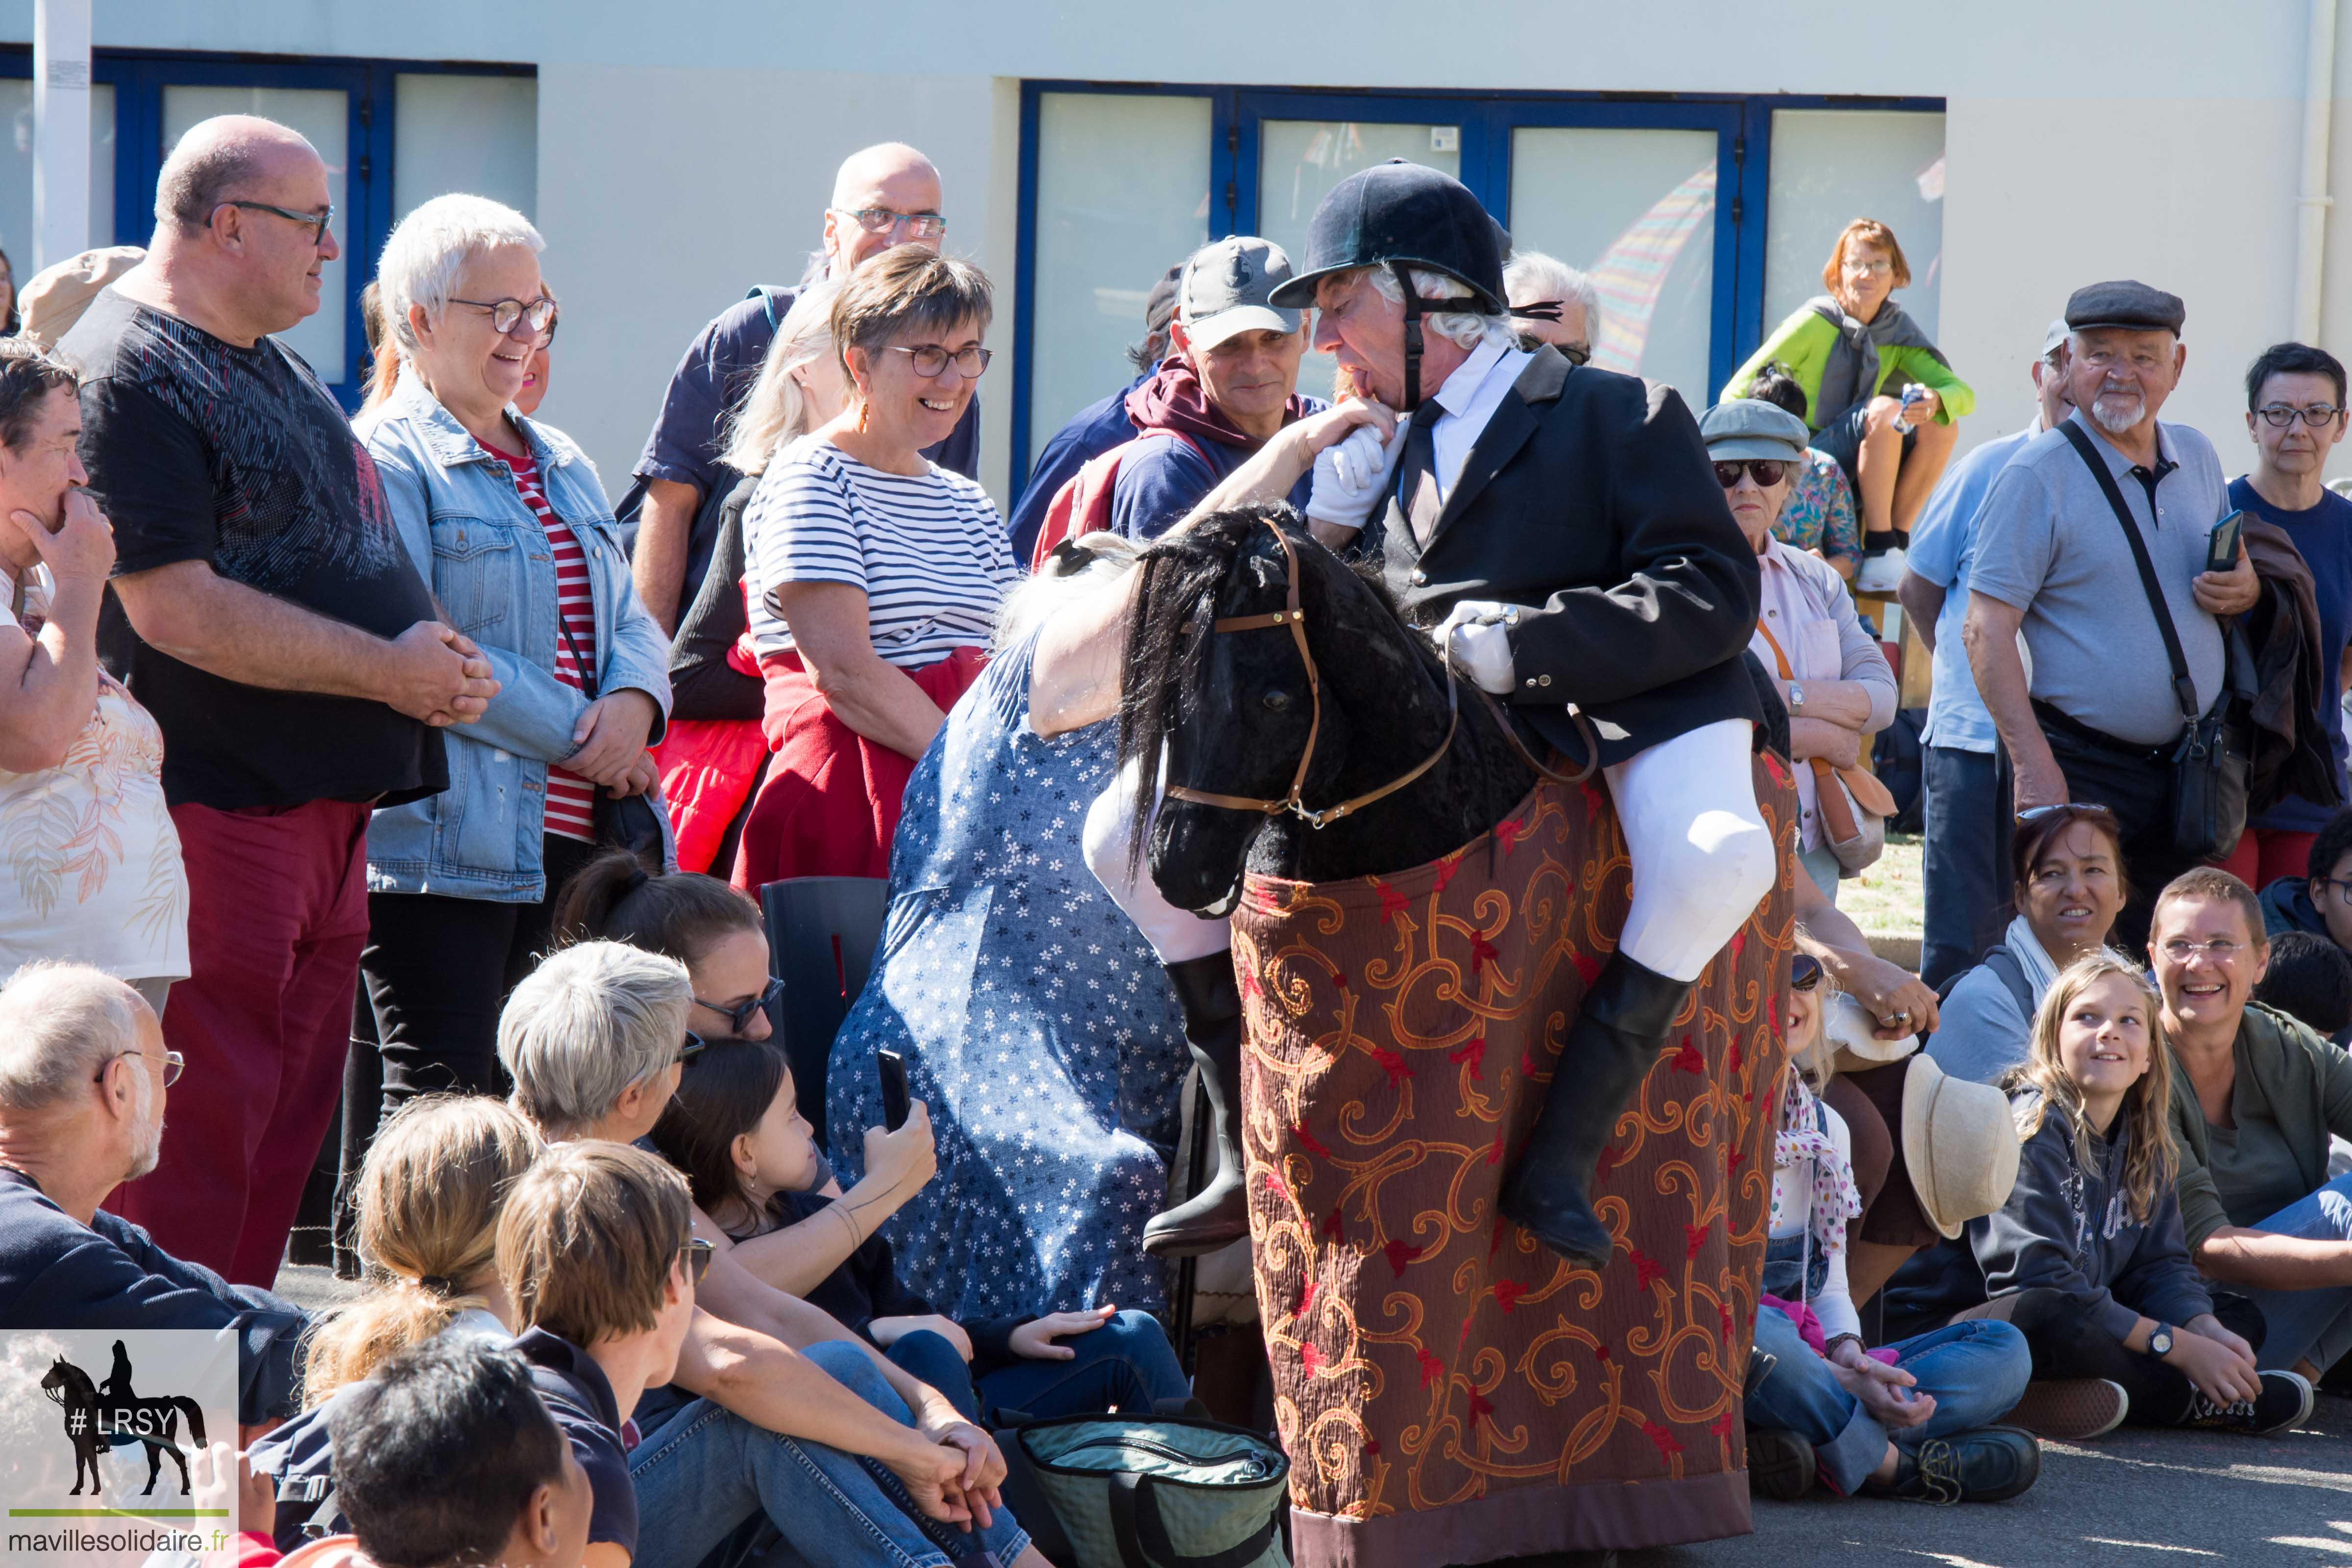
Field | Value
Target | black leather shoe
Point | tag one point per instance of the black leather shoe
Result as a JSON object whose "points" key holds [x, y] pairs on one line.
{"points": [[1780, 1465], [1992, 1464]]}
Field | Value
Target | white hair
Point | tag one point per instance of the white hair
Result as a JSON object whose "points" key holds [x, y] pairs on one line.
{"points": [[431, 246], [1532, 276], [1033, 599], [778, 409], [60, 1024], [588, 1023], [1465, 328]]}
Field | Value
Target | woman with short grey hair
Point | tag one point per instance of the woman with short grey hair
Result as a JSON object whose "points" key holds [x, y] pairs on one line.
{"points": [[507, 520], [1552, 302], [595, 1039]]}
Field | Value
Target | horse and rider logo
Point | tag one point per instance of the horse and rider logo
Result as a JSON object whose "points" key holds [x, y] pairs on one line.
{"points": [[113, 1417]]}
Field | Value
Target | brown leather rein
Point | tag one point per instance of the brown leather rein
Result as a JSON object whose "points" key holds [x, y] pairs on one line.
{"points": [[1294, 616]]}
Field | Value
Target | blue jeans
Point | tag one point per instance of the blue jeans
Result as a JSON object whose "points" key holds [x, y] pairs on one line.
{"points": [[704, 1474], [1128, 1362], [1976, 1370], [2314, 1323], [1967, 882]]}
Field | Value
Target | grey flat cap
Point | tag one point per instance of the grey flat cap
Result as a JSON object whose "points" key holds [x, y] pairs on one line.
{"points": [[2127, 304], [1751, 428]]}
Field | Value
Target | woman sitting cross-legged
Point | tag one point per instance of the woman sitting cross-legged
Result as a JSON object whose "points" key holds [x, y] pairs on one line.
{"points": [[2087, 1257], [1914, 1427], [734, 1127]]}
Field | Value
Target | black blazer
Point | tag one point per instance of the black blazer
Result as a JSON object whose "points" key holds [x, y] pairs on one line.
{"points": [[1589, 502]]}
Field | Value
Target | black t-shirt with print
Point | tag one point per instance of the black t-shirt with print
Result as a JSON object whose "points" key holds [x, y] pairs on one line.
{"points": [[199, 450]]}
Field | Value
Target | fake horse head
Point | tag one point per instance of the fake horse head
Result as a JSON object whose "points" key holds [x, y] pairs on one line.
{"points": [[1307, 731]]}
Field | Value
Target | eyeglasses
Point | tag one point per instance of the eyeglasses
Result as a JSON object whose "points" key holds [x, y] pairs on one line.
{"points": [[1766, 471], [2220, 950], [2318, 415], [1804, 972], [318, 221], [2342, 887], [690, 1047], [931, 360], [506, 314], [695, 1256], [883, 220], [1870, 269], [175, 1064], [740, 1013]]}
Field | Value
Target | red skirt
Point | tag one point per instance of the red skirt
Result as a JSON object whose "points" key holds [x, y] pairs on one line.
{"points": [[829, 806]]}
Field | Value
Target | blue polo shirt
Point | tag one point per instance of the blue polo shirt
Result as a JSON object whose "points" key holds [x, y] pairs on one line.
{"points": [[1942, 545], [1092, 431], [2324, 535]]}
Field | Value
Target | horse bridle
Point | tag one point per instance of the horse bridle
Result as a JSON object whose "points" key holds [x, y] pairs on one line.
{"points": [[1293, 616]]}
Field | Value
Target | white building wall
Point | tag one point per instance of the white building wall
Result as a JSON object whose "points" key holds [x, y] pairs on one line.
{"points": [[685, 152]]}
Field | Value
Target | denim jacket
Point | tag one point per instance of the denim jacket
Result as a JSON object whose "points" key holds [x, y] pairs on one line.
{"points": [[483, 551]]}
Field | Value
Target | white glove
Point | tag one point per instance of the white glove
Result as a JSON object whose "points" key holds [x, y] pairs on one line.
{"points": [[1476, 635], [1353, 475]]}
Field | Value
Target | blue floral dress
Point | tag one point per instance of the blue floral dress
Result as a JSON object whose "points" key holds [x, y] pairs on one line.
{"points": [[1036, 1022]]}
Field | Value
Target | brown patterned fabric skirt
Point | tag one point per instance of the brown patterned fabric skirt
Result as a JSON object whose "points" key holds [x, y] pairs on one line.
{"points": [[1449, 1390]]}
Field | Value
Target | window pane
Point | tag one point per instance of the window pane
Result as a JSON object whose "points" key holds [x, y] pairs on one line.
{"points": [[324, 117], [1636, 210], [1122, 195], [17, 172], [1830, 166], [1298, 163], [473, 133]]}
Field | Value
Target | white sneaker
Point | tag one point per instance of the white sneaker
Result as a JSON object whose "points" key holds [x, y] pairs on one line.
{"points": [[1882, 572]]}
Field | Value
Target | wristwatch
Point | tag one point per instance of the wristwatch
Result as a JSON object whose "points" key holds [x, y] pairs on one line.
{"points": [[1796, 697], [2160, 1343]]}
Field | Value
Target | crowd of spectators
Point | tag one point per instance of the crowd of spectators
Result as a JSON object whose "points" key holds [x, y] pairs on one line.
{"points": [[396, 721]]}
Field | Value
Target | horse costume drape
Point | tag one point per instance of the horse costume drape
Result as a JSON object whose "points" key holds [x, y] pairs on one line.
{"points": [[1449, 1390]]}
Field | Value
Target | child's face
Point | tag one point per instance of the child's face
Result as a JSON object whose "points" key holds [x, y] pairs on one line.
{"points": [[2102, 1042], [780, 1153]]}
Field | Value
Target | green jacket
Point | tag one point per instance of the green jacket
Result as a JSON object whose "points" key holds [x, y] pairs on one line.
{"points": [[2293, 1087], [1806, 340]]}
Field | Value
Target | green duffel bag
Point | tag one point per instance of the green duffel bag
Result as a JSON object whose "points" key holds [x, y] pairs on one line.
{"points": [[1160, 1492]]}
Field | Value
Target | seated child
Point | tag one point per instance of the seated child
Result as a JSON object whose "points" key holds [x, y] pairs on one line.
{"points": [[734, 1128]]}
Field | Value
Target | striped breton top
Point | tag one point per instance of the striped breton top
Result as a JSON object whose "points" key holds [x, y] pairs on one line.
{"points": [[931, 553], [571, 799]]}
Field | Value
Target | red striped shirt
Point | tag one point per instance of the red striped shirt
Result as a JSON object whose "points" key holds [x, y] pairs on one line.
{"points": [[571, 799]]}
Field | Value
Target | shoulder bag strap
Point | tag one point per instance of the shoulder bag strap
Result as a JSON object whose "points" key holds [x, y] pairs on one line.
{"points": [[2184, 689]]}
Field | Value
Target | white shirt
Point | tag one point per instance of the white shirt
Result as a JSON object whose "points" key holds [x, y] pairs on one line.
{"points": [[1468, 400], [1791, 1214]]}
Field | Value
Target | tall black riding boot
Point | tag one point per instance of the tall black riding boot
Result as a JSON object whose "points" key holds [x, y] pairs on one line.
{"points": [[1219, 1211], [1609, 1051]]}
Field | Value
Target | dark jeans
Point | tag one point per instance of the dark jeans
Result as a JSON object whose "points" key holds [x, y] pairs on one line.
{"points": [[2066, 1344], [2138, 787], [1127, 1363], [1967, 874]]}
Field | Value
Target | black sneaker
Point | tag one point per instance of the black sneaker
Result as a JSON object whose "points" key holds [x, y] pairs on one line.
{"points": [[1992, 1464], [1781, 1464], [2286, 1401]]}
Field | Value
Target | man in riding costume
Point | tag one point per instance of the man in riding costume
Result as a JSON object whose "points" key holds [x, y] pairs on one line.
{"points": [[1559, 530]]}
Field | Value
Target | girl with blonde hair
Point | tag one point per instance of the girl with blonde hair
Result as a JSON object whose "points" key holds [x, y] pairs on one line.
{"points": [[2087, 1257]]}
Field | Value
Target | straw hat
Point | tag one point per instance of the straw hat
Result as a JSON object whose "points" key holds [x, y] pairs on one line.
{"points": [[53, 300], [1959, 1143], [1849, 1027]]}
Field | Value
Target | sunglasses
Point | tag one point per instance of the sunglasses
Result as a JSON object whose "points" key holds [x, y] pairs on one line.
{"points": [[690, 1047], [2085, 809], [740, 1015], [695, 1258], [1766, 471], [1804, 972]]}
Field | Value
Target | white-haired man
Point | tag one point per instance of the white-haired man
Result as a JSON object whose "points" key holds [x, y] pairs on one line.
{"points": [[83, 1081], [1552, 302], [265, 613], [883, 196], [2103, 714]]}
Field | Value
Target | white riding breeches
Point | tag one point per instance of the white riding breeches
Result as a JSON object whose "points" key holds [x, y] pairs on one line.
{"points": [[1702, 856], [1174, 935]]}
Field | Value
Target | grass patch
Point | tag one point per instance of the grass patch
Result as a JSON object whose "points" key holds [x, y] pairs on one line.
{"points": [[1889, 898]]}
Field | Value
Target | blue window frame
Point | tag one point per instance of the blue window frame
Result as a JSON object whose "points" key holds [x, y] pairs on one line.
{"points": [[139, 77], [1741, 123]]}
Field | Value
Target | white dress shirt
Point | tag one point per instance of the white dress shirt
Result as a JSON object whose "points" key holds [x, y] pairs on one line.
{"points": [[1468, 400]]}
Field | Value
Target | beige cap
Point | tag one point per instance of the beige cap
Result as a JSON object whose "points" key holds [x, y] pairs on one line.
{"points": [[53, 300], [1959, 1142]]}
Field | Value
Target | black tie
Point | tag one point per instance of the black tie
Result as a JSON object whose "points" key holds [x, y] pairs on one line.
{"points": [[1419, 474]]}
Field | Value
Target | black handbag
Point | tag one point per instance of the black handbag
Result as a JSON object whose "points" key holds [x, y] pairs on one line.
{"points": [[633, 822], [2211, 761]]}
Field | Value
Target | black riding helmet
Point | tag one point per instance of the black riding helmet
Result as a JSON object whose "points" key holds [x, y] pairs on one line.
{"points": [[1398, 215]]}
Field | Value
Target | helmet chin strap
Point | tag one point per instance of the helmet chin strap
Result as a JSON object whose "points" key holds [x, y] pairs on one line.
{"points": [[1415, 307]]}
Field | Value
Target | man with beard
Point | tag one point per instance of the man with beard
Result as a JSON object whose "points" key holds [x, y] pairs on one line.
{"points": [[83, 1079], [2100, 717]]}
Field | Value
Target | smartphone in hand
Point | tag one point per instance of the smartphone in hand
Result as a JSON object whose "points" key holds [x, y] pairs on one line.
{"points": [[893, 1069], [2221, 545]]}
